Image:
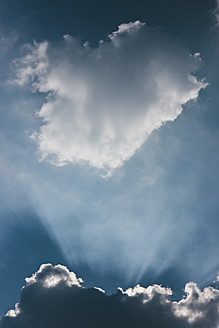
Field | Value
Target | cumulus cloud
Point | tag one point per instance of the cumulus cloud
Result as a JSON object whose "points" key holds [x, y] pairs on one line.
{"points": [[101, 103], [199, 305], [50, 276], [67, 304]]}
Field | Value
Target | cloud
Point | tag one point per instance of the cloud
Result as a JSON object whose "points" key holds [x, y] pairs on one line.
{"points": [[52, 276], [66, 303], [216, 12], [199, 305], [102, 103]]}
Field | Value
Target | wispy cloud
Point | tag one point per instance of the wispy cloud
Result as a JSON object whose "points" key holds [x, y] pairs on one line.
{"points": [[101, 103], [216, 12]]}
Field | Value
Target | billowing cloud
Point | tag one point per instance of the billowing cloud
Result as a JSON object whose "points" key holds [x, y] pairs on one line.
{"points": [[51, 276], [67, 304], [101, 103]]}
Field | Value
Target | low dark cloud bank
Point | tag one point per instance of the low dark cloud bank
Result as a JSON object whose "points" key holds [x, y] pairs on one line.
{"points": [[54, 297]]}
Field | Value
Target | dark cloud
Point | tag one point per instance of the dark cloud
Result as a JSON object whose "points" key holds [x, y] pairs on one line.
{"points": [[54, 297]]}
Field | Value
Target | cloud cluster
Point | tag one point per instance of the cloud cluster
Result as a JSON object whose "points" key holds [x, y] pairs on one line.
{"points": [[65, 303], [101, 103]]}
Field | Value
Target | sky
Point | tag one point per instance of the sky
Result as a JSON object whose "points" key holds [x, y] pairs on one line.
{"points": [[109, 163]]}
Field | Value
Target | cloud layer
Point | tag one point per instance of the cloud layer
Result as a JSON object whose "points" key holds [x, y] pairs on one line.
{"points": [[101, 103], [54, 297]]}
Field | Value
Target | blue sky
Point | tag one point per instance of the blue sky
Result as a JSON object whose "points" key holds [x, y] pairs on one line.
{"points": [[109, 142]]}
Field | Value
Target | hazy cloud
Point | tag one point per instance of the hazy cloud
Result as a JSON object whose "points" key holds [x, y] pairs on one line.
{"points": [[101, 103], [66, 303], [216, 12]]}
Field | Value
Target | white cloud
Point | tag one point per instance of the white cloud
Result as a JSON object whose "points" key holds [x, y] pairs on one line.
{"points": [[197, 304], [148, 293], [13, 312], [33, 64], [103, 102], [51, 276], [100, 290]]}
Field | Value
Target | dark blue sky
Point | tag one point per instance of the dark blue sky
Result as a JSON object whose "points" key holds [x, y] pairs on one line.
{"points": [[187, 20]]}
